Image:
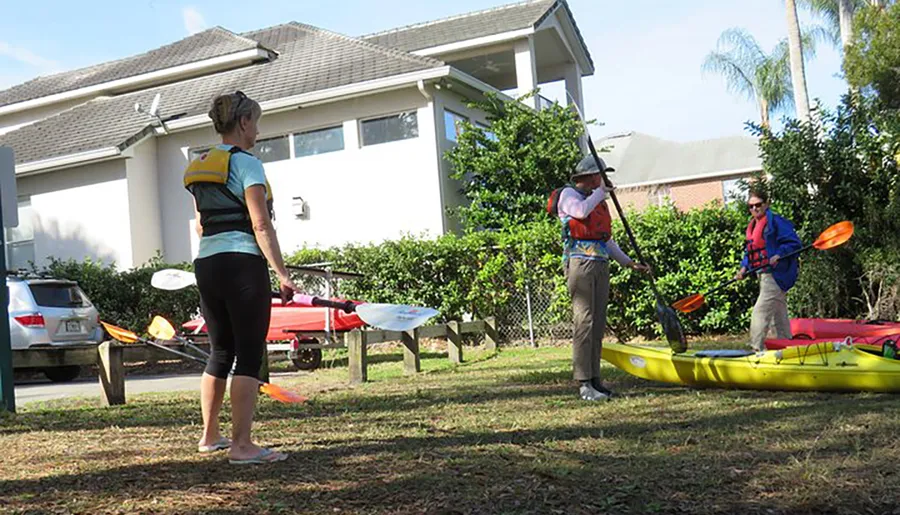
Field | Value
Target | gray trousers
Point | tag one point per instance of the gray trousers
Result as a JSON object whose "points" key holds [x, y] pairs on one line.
{"points": [[588, 283], [769, 312]]}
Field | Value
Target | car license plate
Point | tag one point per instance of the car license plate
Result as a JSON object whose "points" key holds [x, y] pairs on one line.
{"points": [[73, 326]]}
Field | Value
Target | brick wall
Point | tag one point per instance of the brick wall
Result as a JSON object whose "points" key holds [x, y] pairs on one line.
{"points": [[685, 195]]}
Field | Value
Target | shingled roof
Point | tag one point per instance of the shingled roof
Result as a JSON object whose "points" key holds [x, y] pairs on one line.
{"points": [[506, 18], [214, 42], [641, 159], [311, 59]]}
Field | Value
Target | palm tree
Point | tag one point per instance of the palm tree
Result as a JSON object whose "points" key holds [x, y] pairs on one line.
{"points": [[798, 74], [749, 71], [838, 17]]}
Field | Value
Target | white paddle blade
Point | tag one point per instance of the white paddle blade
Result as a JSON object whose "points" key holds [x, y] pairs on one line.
{"points": [[172, 279], [394, 317]]}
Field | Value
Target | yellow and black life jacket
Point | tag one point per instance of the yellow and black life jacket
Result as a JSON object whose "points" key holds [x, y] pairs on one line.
{"points": [[220, 209]]}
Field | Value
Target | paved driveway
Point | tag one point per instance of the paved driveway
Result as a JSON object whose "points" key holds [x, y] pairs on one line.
{"points": [[90, 387]]}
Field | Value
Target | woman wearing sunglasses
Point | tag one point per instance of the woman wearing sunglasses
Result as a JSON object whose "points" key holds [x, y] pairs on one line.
{"points": [[769, 236]]}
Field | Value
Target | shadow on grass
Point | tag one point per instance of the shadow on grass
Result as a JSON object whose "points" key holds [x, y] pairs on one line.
{"points": [[691, 464]]}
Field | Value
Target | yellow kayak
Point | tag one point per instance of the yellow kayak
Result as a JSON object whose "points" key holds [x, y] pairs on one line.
{"points": [[829, 366]]}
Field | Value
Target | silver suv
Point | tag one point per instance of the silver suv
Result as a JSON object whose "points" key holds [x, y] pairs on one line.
{"points": [[51, 313]]}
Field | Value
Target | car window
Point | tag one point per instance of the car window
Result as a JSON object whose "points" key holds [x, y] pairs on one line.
{"points": [[17, 301], [60, 295]]}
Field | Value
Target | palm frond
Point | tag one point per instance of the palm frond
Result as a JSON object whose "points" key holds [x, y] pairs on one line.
{"points": [[741, 46], [737, 79]]}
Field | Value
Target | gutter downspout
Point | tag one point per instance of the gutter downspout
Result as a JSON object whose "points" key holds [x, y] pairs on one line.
{"points": [[437, 146]]}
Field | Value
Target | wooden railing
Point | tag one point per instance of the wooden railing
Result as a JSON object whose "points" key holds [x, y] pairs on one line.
{"points": [[357, 342], [111, 356]]}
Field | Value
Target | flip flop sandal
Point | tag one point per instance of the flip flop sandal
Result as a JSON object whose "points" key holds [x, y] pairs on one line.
{"points": [[265, 456], [222, 444]]}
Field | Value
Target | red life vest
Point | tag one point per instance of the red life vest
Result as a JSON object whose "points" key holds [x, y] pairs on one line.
{"points": [[597, 225], [756, 242]]}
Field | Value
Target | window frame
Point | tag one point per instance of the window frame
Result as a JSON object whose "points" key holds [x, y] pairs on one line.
{"points": [[9, 243], [362, 121], [338, 125], [456, 118]]}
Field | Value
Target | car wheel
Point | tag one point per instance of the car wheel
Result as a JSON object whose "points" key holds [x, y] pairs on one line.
{"points": [[62, 374]]}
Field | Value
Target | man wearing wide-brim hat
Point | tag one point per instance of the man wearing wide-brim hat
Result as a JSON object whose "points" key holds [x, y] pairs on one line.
{"points": [[587, 249]]}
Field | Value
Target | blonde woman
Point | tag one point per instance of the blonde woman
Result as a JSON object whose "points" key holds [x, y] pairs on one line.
{"points": [[233, 208]]}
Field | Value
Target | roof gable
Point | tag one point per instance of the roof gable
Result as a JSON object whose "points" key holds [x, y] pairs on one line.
{"points": [[311, 59], [497, 20]]}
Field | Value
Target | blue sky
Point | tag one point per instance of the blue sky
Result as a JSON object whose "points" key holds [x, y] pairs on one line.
{"points": [[647, 53]]}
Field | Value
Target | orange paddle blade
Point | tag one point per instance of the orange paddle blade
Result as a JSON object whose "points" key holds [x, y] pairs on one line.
{"points": [[123, 335], [834, 236], [280, 394], [161, 329], [689, 304]]}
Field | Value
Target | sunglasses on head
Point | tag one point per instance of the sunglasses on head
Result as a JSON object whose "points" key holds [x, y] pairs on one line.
{"points": [[241, 97]]}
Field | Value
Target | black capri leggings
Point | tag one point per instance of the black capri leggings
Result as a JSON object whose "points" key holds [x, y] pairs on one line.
{"points": [[236, 302]]}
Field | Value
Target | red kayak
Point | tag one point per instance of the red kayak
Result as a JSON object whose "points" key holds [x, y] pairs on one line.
{"points": [[816, 328], [876, 341], [290, 319]]}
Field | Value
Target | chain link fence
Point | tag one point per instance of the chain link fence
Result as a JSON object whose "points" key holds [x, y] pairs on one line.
{"points": [[534, 310], [537, 310]]}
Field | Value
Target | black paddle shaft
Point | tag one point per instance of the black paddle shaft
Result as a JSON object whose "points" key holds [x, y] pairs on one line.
{"points": [[760, 267], [619, 210], [666, 315], [347, 306]]}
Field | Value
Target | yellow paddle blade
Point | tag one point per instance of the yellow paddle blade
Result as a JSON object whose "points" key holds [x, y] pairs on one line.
{"points": [[834, 236], [161, 329], [123, 335], [689, 304], [280, 394]]}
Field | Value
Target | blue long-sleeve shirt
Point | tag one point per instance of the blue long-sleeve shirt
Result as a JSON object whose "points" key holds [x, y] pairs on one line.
{"points": [[781, 239]]}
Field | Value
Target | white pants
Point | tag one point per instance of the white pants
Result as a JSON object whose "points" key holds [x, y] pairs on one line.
{"points": [[769, 312]]}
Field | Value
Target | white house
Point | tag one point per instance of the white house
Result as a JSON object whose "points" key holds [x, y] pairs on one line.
{"points": [[353, 132]]}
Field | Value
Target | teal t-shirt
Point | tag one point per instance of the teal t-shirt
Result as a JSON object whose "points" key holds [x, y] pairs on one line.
{"points": [[243, 171]]}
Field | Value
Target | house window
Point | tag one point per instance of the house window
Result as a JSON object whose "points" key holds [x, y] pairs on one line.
{"points": [[319, 141], [487, 131], [390, 128], [20, 240], [657, 195], [732, 191], [272, 149], [453, 124]]}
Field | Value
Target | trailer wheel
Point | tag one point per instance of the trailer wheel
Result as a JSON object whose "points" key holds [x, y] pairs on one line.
{"points": [[305, 358]]}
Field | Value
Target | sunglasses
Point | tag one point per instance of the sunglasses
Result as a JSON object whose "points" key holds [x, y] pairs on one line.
{"points": [[756, 205], [241, 97]]}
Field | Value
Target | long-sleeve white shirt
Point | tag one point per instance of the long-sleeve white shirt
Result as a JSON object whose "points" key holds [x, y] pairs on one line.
{"points": [[573, 206]]}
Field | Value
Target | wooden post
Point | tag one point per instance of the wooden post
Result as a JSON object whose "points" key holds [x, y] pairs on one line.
{"points": [[112, 373], [490, 334], [411, 362], [356, 349], [454, 342], [264, 365]]}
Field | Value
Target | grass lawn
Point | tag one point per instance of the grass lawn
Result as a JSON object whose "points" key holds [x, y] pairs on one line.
{"points": [[502, 433]]}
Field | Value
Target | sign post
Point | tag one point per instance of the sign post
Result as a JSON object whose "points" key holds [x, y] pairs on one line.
{"points": [[9, 218]]}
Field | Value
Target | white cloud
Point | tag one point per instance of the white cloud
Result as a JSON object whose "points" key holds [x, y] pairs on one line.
{"points": [[25, 56], [193, 20]]}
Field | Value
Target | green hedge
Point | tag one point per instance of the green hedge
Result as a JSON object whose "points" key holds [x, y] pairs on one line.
{"points": [[125, 297], [478, 274]]}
